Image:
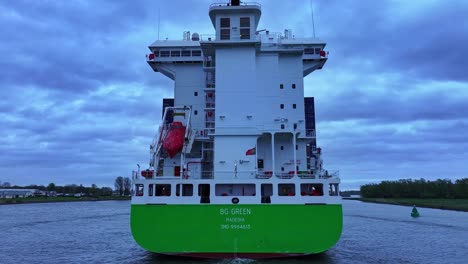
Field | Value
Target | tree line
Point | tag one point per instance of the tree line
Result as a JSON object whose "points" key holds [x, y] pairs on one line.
{"points": [[122, 185], [421, 188], [92, 190]]}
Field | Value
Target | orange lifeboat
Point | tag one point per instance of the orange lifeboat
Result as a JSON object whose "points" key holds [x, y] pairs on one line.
{"points": [[174, 141]]}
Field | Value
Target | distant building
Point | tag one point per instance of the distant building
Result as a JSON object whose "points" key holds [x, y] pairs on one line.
{"points": [[18, 193]]}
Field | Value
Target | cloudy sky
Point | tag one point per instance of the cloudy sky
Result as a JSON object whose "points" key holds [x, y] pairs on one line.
{"points": [[79, 104]]}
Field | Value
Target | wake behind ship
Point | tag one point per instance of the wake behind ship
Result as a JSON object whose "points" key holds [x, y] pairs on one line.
{"points": [[234, 168]]}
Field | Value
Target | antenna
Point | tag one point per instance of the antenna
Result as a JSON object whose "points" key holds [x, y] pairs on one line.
{"points": [[159, 20], [312, 16]]}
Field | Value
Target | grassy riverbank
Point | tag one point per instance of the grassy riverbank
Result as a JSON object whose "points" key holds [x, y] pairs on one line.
{"points": [[445, 204], [59, 199]]}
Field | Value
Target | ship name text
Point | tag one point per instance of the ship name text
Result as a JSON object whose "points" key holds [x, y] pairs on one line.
{"points": [[235, 211]]}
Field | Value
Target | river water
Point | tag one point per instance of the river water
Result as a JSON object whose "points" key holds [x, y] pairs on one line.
{"points": [[99, 232]]}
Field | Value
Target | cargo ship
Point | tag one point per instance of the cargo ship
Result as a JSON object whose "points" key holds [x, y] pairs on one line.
{"points": [[234, 170]]}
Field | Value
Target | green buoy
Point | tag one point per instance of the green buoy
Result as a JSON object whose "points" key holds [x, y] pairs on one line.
{"points": [[414, 212]]}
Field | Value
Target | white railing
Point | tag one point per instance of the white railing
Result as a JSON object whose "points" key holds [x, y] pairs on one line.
{"points": [[207, 37], [214, 5]]}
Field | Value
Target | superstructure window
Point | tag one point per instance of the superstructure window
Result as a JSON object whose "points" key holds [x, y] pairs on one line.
{"points": [[163, 190], [281, 86], [187, 189], [282, 126], [294, 106], [235, 189], [195, 112], [150, 189], [282, 106], [309, 189], [139, 189], [286, 189], [195, 94], [175, 53], [186, 53], [293, 86], [196, 53], [334, 190]]}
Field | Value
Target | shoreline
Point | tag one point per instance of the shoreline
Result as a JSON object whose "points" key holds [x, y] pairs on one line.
{"points": [[30, 200], [460, 205]]}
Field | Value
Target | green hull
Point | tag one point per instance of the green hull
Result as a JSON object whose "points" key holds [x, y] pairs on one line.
{"points": [[261, 229]]}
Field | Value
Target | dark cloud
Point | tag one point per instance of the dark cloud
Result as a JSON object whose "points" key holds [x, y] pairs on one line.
{"points": [[424, 40], [394, 102]]}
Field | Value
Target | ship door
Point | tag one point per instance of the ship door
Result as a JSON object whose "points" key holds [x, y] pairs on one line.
{"points": [[260, 163], [204, 193]]}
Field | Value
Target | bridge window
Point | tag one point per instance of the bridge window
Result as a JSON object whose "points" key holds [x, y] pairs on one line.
{"points": [[309, 51], [245, 22], [245, 33], [175, 53], [196, 53], [225, 34], [186, 53], [245, 27], [165, 53], [225, 22], [317, 50], [150, 189], [225, 28]]}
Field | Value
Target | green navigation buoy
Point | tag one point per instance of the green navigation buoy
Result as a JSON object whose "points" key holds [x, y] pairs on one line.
{"points": [[414, 212]]}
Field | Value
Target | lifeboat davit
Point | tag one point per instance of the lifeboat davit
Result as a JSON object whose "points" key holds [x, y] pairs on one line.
{"points": [[174, 141]]}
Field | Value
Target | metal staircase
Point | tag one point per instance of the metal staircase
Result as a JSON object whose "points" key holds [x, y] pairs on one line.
{"points": [[210, 114]]}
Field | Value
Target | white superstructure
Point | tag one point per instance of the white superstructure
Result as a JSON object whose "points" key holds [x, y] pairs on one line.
{"points": [[240, 93]]}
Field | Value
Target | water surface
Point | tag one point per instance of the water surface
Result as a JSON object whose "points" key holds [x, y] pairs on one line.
{"points": [[99, 232]]}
